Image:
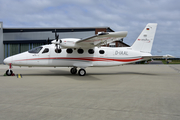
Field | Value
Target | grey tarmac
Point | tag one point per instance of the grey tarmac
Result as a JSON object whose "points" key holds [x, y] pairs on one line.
{"points": [[129, 92]]}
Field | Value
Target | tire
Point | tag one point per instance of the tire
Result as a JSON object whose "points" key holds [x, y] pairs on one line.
{"points": [[82, 72], [9, 72], [73, 70]]}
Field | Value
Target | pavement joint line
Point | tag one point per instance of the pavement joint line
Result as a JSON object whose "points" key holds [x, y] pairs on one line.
{"points": [[175, 69]]}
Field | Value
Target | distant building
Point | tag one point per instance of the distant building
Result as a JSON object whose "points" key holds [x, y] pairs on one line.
{"points": [[18, 40]]}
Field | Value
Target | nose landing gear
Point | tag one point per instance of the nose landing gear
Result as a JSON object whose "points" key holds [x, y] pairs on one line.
{"points": [[9, 72]]}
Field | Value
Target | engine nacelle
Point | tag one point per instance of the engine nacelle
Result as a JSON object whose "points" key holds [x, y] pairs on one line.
{"points": [[69, 43], [66, 42]]}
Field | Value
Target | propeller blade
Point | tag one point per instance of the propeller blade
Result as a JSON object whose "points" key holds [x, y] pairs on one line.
{"points": [[56, 36], [59, 43], [48, 41]]}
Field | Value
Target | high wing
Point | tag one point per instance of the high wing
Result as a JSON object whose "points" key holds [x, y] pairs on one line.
{"points": [[102, 38], [90, 42]]}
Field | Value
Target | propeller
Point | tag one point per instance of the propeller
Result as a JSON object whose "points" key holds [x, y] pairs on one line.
{"points": [[57, 38], [48, 41]]}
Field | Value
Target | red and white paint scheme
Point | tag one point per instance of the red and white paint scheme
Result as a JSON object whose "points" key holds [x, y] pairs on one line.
{"points": [[82, 53]]}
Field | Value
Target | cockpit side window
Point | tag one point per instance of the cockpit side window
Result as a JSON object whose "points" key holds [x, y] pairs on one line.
{"points": [[46, 50], [35, 50]]}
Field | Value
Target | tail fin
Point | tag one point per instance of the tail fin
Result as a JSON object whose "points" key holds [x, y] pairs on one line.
{"points": [[145, 40]]}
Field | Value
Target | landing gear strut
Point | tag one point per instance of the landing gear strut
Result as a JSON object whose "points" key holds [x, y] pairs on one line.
{"points": [[9, 72]]}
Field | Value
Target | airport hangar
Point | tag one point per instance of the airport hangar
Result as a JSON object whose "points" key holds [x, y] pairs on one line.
{"points": [[18, 40]]}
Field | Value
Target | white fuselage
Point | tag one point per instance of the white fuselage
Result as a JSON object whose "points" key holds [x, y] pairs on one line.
{"points": [[102, 56]]}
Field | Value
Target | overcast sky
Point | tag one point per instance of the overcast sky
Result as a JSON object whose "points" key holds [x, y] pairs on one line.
{"points": [[119, 15]]}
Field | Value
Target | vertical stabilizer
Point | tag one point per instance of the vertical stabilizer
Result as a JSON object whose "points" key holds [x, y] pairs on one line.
{"points": [[145, 40]]}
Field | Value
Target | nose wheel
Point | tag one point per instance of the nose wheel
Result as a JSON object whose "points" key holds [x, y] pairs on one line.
{"points": [[9, 72]]}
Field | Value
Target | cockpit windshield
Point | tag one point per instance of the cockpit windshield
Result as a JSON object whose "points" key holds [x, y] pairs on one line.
{"points": [[35, 50]]}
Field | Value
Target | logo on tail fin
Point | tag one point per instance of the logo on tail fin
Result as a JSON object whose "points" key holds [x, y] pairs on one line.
{"points": [[145, 40]]}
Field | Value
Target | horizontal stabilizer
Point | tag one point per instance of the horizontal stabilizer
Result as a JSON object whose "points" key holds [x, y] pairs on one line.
{"points": [[163, 56]]}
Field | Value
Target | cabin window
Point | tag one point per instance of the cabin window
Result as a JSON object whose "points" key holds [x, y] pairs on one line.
{"points": [[35, 50], [58, 50], [80, 51], [69, 50], [91, 51], [101, 51], [46, 50]]}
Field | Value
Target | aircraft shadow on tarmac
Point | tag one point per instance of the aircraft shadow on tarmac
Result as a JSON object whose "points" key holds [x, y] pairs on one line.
{"points": [[60, 73], [122, 73], [89, 75], [66, 73]]}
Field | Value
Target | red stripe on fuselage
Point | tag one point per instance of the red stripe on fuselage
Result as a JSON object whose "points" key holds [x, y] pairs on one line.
{"points": [[85, 59]]}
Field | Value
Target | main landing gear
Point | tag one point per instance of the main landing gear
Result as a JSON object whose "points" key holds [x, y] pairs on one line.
{"points": [[73, 70], [9, 72], [81, 72]]}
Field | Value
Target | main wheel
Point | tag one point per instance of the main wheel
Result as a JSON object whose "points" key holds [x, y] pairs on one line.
{"points": [[82, 72], [9, 72], [73, 70]]}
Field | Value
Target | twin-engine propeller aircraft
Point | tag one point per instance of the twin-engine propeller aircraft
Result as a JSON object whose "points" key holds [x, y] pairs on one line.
{"points": [[82, 53]]}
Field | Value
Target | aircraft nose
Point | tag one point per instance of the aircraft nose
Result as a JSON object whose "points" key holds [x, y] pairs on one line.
{"points": [[8, 60]]}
